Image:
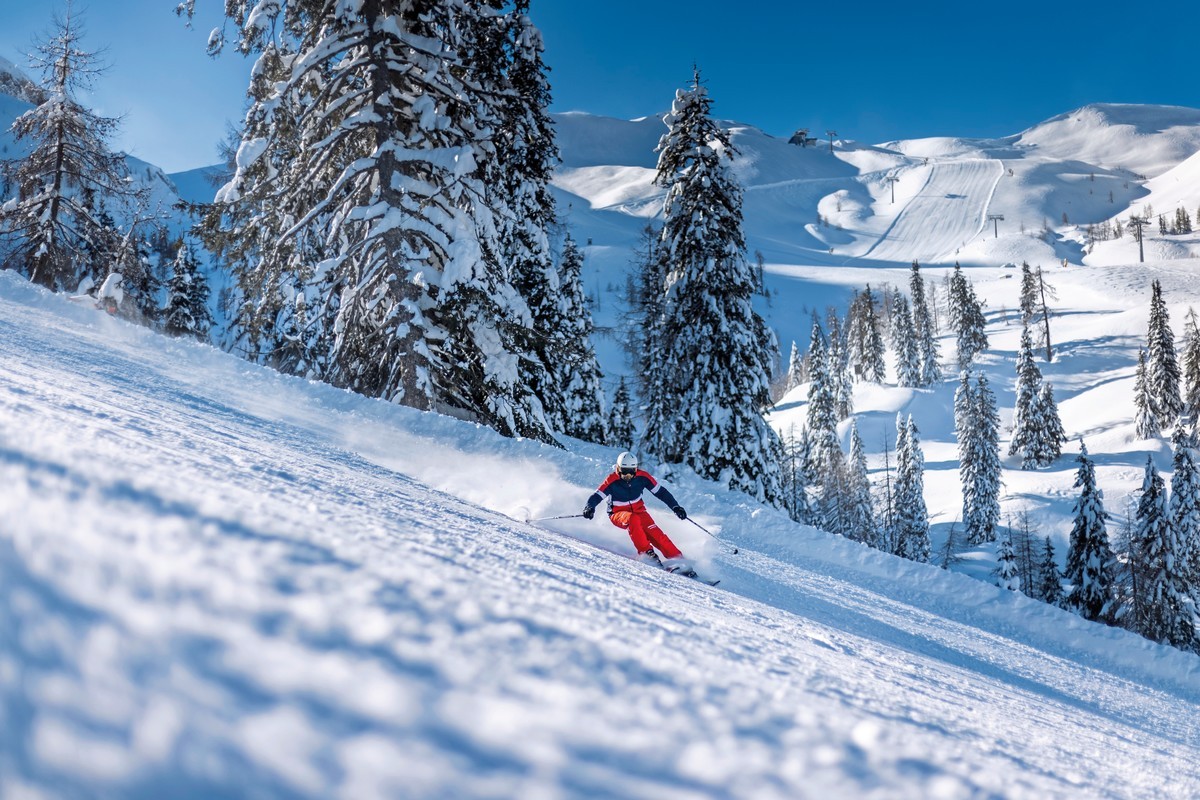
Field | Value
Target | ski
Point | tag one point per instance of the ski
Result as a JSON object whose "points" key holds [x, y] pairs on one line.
{"points": [[691, 573]]}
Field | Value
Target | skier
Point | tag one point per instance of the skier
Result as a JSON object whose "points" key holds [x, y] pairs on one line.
{"points": [[623, 488]]}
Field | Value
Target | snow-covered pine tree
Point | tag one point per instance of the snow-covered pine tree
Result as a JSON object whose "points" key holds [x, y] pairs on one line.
{"points": [[977, 425], [1089, 557], [1028, 293], [966, 316], [832, 509], [1168, 609], [69, 178], [719, 354], [822, 405], [186, 313], [573, 367], [867, 348], [911, 519], [837, 352], [908, 366], [860, 512], [1050, 589], [928, 351], [507, 54], [1049, 434], [1162, 365], [645, 297], [794, 476], [1191, 367], [796, 372], [1008, 576], [620, 419], [1029, 383], [361, 176], [1184, 509], [1145, 421]]}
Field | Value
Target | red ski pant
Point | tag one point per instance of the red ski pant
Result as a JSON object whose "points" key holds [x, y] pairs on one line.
{"points": [[644, 531]]}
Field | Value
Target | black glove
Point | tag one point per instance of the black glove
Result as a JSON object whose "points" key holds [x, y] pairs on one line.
{"points": [[679, 512], [589, 512]]}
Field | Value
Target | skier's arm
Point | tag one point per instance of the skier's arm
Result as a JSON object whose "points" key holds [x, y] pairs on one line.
{"points": [[594, 500], [589, 508], [660, 491]]}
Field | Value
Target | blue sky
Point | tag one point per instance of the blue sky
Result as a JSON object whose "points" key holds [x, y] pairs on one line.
{"points": [[873, 71]]}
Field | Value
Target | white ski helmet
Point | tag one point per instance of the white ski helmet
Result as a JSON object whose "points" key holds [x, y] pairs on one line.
{"points": [[626, 462]]}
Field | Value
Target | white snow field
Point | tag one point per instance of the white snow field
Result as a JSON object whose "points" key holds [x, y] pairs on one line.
{"points": [[218, 581]]}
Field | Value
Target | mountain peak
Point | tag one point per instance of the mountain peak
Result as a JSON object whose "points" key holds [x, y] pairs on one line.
{"points": [[15, 83]]}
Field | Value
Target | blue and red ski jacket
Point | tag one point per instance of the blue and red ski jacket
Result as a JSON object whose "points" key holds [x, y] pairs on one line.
{"points": [[626, 495]]}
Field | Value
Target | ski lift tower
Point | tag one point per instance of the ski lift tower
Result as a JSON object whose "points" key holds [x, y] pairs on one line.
{"points": [[1138, 223], [831, 134], [892, 179], [996, 219]]}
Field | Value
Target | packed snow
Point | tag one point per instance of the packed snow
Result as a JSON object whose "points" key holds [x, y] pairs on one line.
{"points": [[220, 581]]}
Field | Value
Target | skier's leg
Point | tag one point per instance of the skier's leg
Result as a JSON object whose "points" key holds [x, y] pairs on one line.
{"points": [[630, 522], [658, 537]]}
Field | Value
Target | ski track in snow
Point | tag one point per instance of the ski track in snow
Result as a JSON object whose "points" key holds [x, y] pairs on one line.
{"points": [[941, 218], [207, 593]]}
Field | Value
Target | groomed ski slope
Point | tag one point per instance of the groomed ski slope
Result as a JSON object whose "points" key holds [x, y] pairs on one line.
{"points": [[217, 581], [949, 211]]}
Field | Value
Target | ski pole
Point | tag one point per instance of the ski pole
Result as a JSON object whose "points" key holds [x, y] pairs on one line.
{"points": [[710, 533], [547, 519]]}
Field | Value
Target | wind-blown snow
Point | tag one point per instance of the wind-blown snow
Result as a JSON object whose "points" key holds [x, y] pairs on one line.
{"points": [[221, 581]]}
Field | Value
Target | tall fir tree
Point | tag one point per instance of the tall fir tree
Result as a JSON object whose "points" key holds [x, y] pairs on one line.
{"points": [[928, 351], [1184, 509], [839, 365], [1028, 293], [557, 362], [966, 317], [822, 419], [977, 426], [867, 349], [645, 296], [1050, 588], [908, 366], [1162, 365], [364, 176], [620, 419], [860, 512], [796, 373], [719, 354], [1029, 383], [1168, 611], [1191, 367], [68, 178], [1049, 434], [186, 313], [1145, 421], [795, 476], [1007, 573], [1089, 557], [911, 521], [1038, 434], [573, 369]]}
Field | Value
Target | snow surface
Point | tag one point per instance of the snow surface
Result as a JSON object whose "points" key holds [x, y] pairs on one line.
{"points": [[220, 581]]}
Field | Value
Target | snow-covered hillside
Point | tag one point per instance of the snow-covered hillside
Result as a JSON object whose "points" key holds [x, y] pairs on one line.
{"points": [[826, 224], [219, 581]]}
